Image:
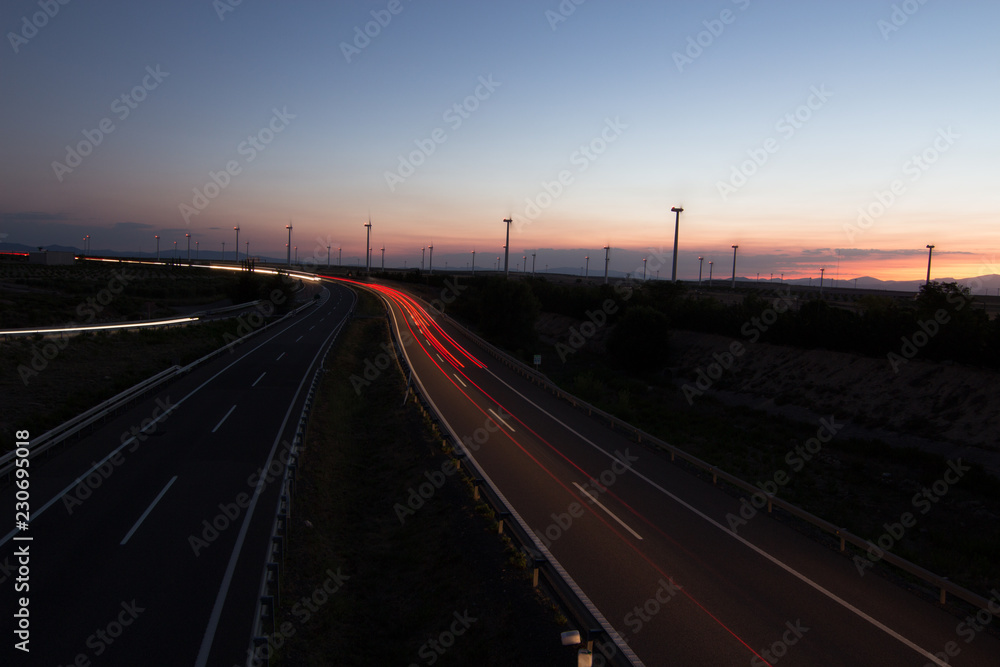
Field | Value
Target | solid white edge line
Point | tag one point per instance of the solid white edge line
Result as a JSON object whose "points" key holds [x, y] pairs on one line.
{"points": [[280, 356], [498, 418], [56, 498], [299, 338], [619, 641], [259, 379], [148, 510], [459, 380], [847, 605], [220, 599], [224, 418], [610, 513]]}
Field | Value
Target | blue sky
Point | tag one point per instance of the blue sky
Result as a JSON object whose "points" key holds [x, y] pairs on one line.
{"points": [[711, 133]]}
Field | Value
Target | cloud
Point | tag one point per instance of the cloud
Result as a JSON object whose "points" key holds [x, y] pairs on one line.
{"points": [[128, 226], [32, 216]]}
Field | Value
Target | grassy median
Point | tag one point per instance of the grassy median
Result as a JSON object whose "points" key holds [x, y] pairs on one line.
{"points": [[431, 586]]}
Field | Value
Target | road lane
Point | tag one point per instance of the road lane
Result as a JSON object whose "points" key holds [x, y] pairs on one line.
{"points": [[143, 529], [738, 597]]}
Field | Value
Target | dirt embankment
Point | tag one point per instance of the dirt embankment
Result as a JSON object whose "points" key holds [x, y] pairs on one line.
{"points": [[942, 407]]}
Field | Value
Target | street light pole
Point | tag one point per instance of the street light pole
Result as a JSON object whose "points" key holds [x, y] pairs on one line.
{"points": [[368, 244], [383, 258], [473, 262], [710, 263], [821, 272], [327, 256], [532, 265], [930, 251], [677, 223], [644, 269], [237, 228], [506, 249], [188, 236], [734, 265], [700, 262], [586, 270], [288, 257], [430, 259], [607, 258], [157, 247]]}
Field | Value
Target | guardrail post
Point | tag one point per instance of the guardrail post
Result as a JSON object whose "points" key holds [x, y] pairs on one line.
{"points": [[843, 542], [274, 569], [715, 476], [475, 487], [503, 515], [268, 601], [944, 593], [536, 567], [260, 656]]}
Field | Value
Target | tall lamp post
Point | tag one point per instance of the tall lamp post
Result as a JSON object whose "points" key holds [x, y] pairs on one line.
{"points": [[506, 252], [430, 259], [473, 262], [710, 263], [197, 249], [383, 258], [586, 267], [734, 265], [532, 265], [607, 258], [701, 260], [368, 243], [237, 228], [930, 250], [188, 236], [288, 258], [644, 269], [677, 224], [327, 256], [157, 247]]}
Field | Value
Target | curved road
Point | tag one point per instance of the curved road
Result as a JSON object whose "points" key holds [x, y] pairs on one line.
{"points": [[650, 544]]}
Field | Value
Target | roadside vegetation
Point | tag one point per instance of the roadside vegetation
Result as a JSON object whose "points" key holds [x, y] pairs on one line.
{"points": [[407, 573], [862, 485]]}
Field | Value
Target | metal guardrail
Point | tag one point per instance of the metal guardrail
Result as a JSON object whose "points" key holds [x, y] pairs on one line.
{"points": [[590, 621], [941, 583], [112, 405], [99, 412], [269, 592]]}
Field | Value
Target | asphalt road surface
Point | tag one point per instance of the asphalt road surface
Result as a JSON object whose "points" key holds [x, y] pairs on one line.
{"points": [[650, 544], [147, 546]]}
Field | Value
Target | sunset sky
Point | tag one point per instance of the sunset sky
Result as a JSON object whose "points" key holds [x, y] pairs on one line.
{"points": [[774, 124]]}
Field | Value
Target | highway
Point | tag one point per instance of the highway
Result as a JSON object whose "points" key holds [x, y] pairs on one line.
{"points": [[649, 543], [149, 534]]}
